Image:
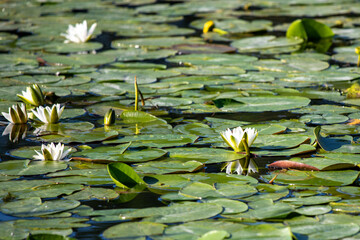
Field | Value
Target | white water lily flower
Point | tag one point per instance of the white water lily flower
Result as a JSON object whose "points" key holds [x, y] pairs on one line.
{"points": [[79, 33], [234, 137], [17, 114], [47, 114], [52, 152], [33, 95]]}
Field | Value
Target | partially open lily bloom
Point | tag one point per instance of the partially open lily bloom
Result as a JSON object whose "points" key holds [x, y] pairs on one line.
{"points": [[17, 114], [79, 33], [33, 95], [52, 152], [47, 114], [234, 137]]}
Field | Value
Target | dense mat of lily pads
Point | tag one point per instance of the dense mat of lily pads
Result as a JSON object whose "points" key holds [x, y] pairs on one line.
{"points": [[165, 171]]}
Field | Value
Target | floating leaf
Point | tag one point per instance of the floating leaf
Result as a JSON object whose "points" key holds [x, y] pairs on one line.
{"points": [[134, 229], [30, 207], [123, 175], [308, 29], [176, 213], [292, 165]]}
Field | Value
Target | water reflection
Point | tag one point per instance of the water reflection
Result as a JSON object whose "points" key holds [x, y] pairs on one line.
{"points": [[15, 131], [54, 128], [245, 166]]}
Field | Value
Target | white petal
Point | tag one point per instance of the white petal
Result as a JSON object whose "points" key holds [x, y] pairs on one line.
{"points": [[251, 135], [7, 116], [252, 167], [57, 151], [39, 113], [64, 155], [238, 134], [39, 156], [8, 129], [238, 167], [228, 168]]}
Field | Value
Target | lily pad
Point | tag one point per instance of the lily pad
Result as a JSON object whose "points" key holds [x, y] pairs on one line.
{"points": [[134, 229], [31, 207], [176, 213], [264, 43], [260, 104], [205, 155]]}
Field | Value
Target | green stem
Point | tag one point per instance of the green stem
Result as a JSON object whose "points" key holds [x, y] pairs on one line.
{"points": [[136, 95], [246, 147]]}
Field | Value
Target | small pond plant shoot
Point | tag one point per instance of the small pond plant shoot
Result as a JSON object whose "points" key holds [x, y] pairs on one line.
{"points": [[179, 120]]}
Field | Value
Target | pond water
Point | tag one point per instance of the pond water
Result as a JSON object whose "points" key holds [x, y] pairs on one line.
{"points": [[172, 174]]}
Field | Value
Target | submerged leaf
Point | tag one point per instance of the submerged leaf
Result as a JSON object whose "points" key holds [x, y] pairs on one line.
{"points": [[293, 165]]}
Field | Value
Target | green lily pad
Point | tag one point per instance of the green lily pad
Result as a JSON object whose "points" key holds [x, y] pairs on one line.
{"points": [[27, 167], [56, 47], [230, 206], [205, 155], [172, 166], [212, 59], [211, 70], [48, 191], [314, 200], [159, 141], [302, 149], [134, 229], [314, 210], [326, 118], [154, 42], [214, 235], [264, 43], [176, 213], [261, 104], [281, 141], [326, 231], [30, 207], [94, 193], [94, 135], [199, 190]]}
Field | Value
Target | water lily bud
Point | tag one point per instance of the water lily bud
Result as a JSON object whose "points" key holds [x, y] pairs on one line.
{"points": [[357, 50], [17, 114], [208, 26], [33, 95], [109, 117]]}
